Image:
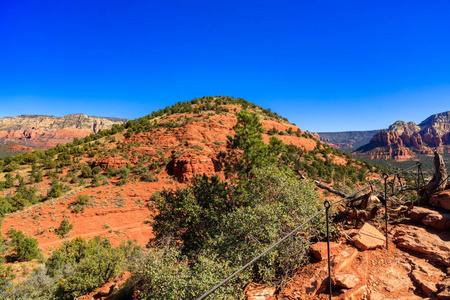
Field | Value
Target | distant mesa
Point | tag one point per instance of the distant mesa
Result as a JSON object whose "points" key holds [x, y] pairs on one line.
{"points": [[26, 133]]}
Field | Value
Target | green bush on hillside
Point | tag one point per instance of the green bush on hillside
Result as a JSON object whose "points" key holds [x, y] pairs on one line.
{"points": [[64, 228], [75, 268], [23, 248], [79, 266]]}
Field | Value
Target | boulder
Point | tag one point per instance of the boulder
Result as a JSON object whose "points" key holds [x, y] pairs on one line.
{"points": [[431, 218], [441, 199], [369, 237], [421, 279], [418, 213], [343, 259], [347, 281], [437, 221], [320, 250]]}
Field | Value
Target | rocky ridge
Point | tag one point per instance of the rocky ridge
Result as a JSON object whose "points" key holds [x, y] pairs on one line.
{"points": [[403, 140]]}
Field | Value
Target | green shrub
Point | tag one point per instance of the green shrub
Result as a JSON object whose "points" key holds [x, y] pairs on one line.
{"points": [[12, 166], [111, 172], [9, 181], [123, 172], [24, 248], [57, 189], [79, 266], [97, 170], [64, 228], [121, 182], [5, 207], [77, 208], [166, 276], [86, 172], [6, 275], [149, 177]]}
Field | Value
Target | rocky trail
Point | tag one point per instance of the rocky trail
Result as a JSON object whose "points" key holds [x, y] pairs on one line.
{"points": [[107, 233], [416, 264]]}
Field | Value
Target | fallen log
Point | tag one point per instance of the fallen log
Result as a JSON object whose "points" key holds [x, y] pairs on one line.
{"points": [[323, 186]]}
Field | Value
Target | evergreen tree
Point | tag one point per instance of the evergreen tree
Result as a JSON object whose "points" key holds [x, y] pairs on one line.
{"points": [[247, 149]]}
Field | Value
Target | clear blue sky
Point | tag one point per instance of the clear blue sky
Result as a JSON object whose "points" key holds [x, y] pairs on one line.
{"points": [[325, 65]]}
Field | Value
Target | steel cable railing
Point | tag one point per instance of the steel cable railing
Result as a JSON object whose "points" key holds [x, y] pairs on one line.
{"points": [[327, 206]]}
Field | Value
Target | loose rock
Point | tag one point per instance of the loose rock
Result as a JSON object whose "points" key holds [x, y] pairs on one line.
{"points": [[369, 237]]}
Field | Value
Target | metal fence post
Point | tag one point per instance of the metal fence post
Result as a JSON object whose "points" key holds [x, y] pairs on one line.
{"points": [[386, 176], [418, 183], [327, 207]]}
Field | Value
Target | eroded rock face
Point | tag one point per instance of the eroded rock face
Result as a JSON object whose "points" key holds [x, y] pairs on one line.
{"points": [[387, 138], [401, 127], [114, 162]]}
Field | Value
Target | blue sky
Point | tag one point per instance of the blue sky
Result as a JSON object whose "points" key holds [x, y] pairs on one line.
{"points": [[325, 65]]}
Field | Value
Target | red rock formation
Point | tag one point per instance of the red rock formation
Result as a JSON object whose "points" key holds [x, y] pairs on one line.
{"points": [[387, 138], [114, 162], [403, 139], [190, 165]]}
